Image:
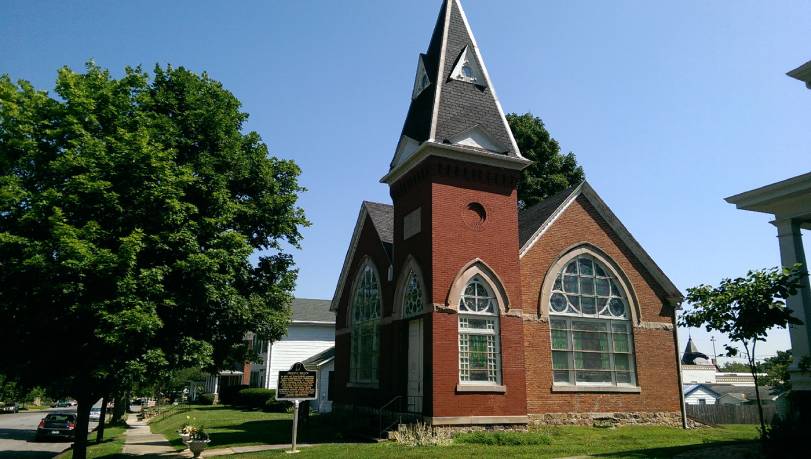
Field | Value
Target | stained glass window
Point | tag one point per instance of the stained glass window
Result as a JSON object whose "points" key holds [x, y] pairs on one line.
{"points": [[365, 342], [590, 327], [412, 297]]}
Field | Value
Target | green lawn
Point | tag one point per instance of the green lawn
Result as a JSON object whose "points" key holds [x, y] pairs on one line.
{"points": [[110, 447], [231, 427]]}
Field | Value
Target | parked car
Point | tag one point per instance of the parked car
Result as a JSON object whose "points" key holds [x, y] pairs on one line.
{"points": [[61, 404], [95, 414], [57, 425], [11, 407]]}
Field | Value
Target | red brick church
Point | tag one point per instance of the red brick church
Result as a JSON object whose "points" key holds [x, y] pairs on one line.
{"points": [[455, 306]]}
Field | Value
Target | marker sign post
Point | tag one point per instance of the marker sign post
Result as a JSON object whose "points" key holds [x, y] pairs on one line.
{"points": [[296, 385]]}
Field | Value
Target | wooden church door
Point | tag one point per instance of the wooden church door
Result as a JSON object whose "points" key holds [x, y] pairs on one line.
{"points": [[415, 381]]}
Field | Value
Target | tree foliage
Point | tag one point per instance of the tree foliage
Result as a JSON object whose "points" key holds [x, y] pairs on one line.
{"points": [[777, 374], [734, 367], [129, 208], [745, 309], [551, 170]]}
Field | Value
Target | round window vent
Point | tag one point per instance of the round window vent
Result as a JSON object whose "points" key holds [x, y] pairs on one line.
{"points": [[474, 216]]}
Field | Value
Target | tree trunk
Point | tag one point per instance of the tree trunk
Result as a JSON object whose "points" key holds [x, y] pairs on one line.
{"points": [[753, 369], [122, 399], [102, 420], [82, 419]]}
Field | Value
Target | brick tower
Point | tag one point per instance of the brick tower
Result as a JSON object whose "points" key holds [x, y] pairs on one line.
{"points": [[455, 225]]}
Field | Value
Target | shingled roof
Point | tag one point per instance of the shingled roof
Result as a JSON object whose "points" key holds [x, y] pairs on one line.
{"points": [[312, 310], [382, 217], [534, 221], [455, 107], [531, 218]]}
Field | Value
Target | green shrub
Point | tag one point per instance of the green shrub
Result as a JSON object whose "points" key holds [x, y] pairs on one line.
{"points": [[206, 399], [277, 406], [229, 395], [255, 397], [504, 438]]}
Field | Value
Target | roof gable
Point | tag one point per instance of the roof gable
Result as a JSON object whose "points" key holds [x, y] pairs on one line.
{"points": [[459, 95], [533, 222], [381, 217]]}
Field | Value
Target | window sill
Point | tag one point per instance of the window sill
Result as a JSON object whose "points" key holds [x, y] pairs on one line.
{"points": [[614, 389], [481, 388], [363, 385]]}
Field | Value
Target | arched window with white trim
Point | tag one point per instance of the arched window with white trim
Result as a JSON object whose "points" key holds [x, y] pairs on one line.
{"points": [[590, 322], [365, 326], [479, 346]]}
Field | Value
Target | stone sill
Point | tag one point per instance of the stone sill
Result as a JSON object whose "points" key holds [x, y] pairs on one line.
{"points": [[614, 389], [481, 388]]}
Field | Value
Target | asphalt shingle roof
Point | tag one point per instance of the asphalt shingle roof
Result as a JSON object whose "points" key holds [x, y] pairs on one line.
{"points": [[460, 105], [312, 310], [531, 218], [382, 216]]}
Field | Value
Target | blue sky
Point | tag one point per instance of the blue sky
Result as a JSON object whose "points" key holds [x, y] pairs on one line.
{"points": [[669, 107]]}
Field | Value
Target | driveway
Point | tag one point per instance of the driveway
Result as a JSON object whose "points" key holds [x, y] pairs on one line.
{"points": [[17, 436]]}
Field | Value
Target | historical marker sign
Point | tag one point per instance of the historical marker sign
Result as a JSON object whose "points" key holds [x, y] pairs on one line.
{"points": [[296, 384]]}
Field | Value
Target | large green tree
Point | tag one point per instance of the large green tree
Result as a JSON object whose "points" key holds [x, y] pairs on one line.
{"points": [[745, 309], [129, 208], [551, 170]]}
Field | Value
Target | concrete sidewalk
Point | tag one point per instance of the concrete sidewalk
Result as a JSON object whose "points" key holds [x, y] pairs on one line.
{"points": [[241, 450], [140, 441]]}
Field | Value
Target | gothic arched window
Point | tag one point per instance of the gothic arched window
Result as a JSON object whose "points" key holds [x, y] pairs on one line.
{"points": [[589, 318], [365, 315], [479, 347], [412, 296]]}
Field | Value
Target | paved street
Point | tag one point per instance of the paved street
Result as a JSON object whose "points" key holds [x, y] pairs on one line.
{"points": [[17, 436]]}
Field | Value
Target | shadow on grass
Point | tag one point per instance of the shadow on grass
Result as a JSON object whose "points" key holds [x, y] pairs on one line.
{"points": [[672, 451]]}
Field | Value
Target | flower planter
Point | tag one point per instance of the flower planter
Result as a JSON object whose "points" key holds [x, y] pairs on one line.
{"points": [[184, 437], [197, 446]]}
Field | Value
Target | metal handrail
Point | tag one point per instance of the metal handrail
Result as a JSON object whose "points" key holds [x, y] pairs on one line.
{"points": [[380, 412]]}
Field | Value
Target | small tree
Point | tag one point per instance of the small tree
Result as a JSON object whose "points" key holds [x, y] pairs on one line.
{"points": [[745, 309]]}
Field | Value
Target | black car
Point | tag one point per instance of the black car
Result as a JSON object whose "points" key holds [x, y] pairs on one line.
{"points": [[57, 425]]}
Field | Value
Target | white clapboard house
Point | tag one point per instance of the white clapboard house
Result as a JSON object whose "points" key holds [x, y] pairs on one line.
{"points": [[310, 339]]}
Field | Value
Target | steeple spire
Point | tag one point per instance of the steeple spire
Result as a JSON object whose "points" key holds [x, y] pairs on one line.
{"points": [[453, 99]]}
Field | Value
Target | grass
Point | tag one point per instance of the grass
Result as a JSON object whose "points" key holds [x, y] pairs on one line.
{"points": [[234, 427], [622, 442], [110, 447], [228, 426], [34, 407]]}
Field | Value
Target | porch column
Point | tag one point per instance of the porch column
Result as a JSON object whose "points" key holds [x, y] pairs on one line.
{"points": [[791, 252]]}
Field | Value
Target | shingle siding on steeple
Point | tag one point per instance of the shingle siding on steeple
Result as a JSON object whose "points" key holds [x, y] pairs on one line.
{"points": [[464, 105], [460, 105]]}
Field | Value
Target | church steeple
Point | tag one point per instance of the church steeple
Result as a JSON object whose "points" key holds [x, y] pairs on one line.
{"points": [[691, 353], [453, 99]]}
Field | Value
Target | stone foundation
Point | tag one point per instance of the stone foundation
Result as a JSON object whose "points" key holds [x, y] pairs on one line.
{"points": [[671, 419], [455, 429]]}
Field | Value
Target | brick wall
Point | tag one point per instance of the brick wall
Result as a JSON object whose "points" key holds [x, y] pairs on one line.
{"points": [[657, 371], [455, 244]]}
